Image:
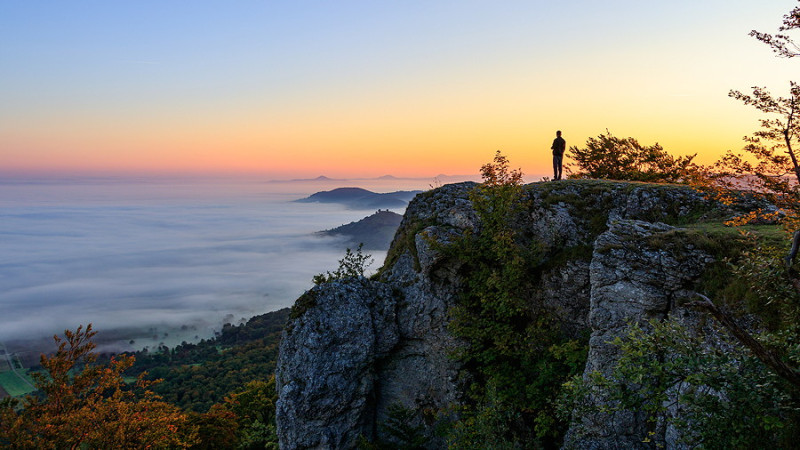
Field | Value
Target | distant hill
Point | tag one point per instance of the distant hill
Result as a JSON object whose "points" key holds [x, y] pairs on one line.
{"points": [[375, 231], [357, 198], [441, 178], [319, 178]]}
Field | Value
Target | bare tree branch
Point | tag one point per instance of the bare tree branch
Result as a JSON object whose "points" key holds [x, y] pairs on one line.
{"points": [[769, 358]]}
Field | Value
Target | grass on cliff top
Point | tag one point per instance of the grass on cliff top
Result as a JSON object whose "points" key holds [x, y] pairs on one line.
{"points": [[729, 245], [721, 241], [602, 185], [766, 235]]}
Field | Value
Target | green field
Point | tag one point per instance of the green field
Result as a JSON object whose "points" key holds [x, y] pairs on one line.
{"points": [[12, 384]]}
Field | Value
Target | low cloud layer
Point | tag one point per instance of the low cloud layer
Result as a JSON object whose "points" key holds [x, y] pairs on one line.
{"points": [[155, 257]]}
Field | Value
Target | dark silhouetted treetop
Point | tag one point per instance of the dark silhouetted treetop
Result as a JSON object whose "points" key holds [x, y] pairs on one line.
{"points": [[782, 44], [613, 158]]}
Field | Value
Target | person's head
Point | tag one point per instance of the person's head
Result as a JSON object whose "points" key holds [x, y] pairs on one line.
{"points": [[558, 133]]}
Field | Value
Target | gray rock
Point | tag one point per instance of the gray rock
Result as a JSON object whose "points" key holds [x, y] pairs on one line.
{"points": [[363, 346], [326, 371], [631, 282]]}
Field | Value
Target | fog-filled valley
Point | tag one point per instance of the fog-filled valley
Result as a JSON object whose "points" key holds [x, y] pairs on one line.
{"points": [[152, 261]]}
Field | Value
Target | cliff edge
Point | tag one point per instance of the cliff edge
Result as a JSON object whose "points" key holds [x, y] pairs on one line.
{"points": [[616, 253]]}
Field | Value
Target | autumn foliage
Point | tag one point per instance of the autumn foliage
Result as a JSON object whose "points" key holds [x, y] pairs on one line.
{"points": [[83, 405]]}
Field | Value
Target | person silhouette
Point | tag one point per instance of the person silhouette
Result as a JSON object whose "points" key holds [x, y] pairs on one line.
{"points": [[558, 147]]}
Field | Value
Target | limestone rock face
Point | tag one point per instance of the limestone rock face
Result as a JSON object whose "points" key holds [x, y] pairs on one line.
{"points": [[634, 278], [355, 348], [326, 375]]}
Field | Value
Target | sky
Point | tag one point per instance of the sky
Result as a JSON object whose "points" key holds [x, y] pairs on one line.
{"points": [[363, 88]]}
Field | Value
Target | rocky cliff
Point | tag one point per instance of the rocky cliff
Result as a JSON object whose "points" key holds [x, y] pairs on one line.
{"points": [[617, 253]]}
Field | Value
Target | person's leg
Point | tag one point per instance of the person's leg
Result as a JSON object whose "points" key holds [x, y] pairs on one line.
{"points": [[555, 167], [560, 161]]}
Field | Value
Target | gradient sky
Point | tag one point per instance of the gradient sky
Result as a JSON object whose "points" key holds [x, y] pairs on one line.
{"points": [[366, 88]]}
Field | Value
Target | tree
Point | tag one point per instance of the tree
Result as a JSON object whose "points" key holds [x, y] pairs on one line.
{"points": [[772, 170], [217, 428], [87, 405], [614, 158], [254, 407], [771, 173], [775, 172], [498, 173], [782, 44], [353, 265], [743, 392]]}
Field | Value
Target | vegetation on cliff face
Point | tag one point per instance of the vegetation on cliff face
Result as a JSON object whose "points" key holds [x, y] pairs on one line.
{"points": [[516, 357], [700, 379], [710, 387], [723, 396]]}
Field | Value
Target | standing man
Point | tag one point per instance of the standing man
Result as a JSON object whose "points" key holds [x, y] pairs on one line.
{"points": [[559, 145]]}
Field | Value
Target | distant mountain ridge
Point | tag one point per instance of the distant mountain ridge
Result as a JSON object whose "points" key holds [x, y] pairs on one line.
{"points": [[441, 178], [358, 198], [375, 231]]}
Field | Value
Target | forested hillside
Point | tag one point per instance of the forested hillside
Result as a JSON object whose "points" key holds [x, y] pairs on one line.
{"points": [[196, 376], [218, 393]]}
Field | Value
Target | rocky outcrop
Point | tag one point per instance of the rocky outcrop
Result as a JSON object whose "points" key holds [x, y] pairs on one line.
{"points": [[637, 273], [329, 354], [328, 382], [355, 348]]}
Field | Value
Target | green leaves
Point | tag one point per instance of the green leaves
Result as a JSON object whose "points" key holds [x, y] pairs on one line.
{"points": [[353, 265], [726, 397], [516, 358]]}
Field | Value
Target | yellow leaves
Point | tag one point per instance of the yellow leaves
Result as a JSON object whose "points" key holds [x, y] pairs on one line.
{"points": [[91, 409], [754, 217]]}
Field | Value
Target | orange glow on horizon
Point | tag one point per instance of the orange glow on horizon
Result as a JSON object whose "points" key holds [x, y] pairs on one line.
{"points": [[440, 105], [397, 142]]}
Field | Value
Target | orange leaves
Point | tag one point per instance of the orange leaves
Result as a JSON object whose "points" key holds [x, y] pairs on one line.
{"points": [[499, 174], [93, 407]]}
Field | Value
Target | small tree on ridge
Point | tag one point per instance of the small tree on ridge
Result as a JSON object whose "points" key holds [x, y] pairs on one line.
{"points": [[613, 158]]}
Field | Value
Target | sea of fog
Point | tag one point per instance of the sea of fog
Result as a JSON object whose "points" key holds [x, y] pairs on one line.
{"points": [[151, 261]]}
